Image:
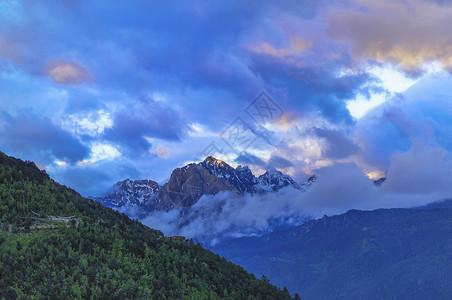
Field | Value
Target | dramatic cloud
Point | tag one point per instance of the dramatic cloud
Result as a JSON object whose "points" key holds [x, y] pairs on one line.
{"points": [[146, 51], [148, 85], [339, 146], [224, 215], [313, 87], [133, 124], [274, 162], [34, 138], [423, 112], [410, 33]]}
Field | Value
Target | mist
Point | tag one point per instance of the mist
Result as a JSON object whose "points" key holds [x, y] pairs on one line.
{"points": [[416, 177]]}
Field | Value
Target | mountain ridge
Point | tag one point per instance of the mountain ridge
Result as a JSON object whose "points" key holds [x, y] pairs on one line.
{"points": [[189, 183], [379, 254]]}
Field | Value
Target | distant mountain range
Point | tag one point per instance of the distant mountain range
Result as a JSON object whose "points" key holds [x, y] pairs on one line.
{"points": [[175, 206], [189, 183], [380, 254]]}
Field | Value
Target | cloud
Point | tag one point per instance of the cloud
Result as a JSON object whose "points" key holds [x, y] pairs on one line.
{"points": [[161, 152], [86, 180], [344, 186], [296, 47], [224, 215], [400, 32], [316, 91], [206, 54], [250, 159], [274, 162], [422, 112], [339, 145], [155, 69], [35, 138], [164, 221], [63, 72], [92, 123], [133, 126], [338, 188], [97, 177], [417, 172], [416, 177], [421, 170]]}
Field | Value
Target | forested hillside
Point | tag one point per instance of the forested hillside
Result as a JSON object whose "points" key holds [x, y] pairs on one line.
{"points": [[56, 244], [380, 254]]}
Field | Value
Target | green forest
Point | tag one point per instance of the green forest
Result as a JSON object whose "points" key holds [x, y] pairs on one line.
{"points": [[56, 244]]}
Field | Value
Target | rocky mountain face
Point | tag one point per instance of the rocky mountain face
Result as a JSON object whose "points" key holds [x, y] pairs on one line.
{"points": [[380, 181], [142, 194], [189, 183], [274, 180], [305, 185]]}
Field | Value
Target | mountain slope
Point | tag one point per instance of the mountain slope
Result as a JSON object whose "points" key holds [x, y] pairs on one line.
{"points": [[56, 244], [438, 204], [381, 254]]}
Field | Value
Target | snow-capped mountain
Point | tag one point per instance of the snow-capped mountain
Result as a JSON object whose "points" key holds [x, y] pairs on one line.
{"points": [[305, 185], [132, 193], [189, 183], [241, 177], [274, 180]]}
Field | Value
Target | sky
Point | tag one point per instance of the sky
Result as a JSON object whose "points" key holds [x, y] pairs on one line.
{"points": [[96, 92]]}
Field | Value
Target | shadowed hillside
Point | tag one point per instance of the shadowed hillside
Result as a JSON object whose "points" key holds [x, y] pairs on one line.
{"points": [[381, 254]]}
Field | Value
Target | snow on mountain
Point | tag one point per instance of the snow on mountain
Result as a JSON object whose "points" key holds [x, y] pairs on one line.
{"points": [[131, 193], [274, 180], [241, 177], [189, 183], [305, 185]]}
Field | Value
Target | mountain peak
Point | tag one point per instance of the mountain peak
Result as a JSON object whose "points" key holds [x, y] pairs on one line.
{"points": [[210, 160], [240, 167], [187, 185], [272, 172], [274, 180]]}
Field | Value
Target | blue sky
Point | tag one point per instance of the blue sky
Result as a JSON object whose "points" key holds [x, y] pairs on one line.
{"points": [[97, 92]]}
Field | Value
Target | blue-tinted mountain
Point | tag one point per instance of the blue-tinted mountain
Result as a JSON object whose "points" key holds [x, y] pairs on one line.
{"points": [[381, 254], [438, 204]]}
